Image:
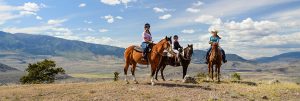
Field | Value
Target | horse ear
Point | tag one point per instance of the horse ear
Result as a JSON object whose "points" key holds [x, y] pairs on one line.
{"points": [[191, 45], [188, 44], [166, 38]]}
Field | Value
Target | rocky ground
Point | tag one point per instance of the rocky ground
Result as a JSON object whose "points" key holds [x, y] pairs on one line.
{"points": [[173, 90]]}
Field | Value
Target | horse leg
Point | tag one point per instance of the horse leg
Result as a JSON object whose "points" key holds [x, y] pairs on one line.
{"points": [[125, 72], [184, 68], [153, 70], [219, 67], [162, 72], [212, 72], [132, 72], [157, 70], [208, 74]]}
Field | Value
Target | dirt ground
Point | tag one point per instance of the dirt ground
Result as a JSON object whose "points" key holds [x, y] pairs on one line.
{"points": [[169, 90]]}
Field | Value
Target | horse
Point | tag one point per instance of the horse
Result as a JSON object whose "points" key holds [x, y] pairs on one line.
{"points": [[215, 58], [185, 61], [133, 57]]}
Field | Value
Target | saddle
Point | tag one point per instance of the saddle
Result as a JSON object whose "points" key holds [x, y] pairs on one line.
{"points": [[138, 49]]}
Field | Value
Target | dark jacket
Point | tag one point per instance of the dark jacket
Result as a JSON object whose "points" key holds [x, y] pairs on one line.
{"points": [[176, 45]]}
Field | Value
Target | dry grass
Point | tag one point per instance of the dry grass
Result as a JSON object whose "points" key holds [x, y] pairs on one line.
{"points": [[170, 90]]}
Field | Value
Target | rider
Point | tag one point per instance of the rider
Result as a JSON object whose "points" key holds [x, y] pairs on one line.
{"points": [[215, 39], [147, 39], [177, 48]]}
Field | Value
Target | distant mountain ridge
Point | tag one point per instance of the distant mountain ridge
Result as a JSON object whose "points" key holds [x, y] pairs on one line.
{"points": [[199, 57], [281, 57], [47, 45], [5, 68]]}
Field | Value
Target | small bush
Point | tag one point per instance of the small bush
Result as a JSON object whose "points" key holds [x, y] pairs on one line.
{"points": [[41, 72], [236, 76], [116, 77]]}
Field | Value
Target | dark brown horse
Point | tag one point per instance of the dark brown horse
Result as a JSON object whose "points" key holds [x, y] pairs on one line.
{"points": [[133, 57], [215, 58], [185, 60]]}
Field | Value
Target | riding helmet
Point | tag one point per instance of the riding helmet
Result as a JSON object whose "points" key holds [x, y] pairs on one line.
{"points": [[147, 25]]}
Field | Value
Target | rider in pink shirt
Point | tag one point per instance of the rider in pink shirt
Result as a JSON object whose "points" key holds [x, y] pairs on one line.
{"points": [[147, 39]]}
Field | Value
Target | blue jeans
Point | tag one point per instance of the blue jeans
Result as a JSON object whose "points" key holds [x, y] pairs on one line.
{"points": [[145, 47], [223, 52]]}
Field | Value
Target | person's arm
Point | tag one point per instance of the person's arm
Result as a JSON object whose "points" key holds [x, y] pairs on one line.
{"points": [[179, 45], [210, 42]]}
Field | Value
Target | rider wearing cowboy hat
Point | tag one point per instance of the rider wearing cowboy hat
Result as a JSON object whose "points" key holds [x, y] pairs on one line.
{"points": [[215, 39]]}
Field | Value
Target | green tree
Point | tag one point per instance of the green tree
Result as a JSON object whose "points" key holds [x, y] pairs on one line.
{"points": [[41, 72]]}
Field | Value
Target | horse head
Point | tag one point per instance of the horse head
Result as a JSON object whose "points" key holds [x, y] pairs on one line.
{"points": [[188, 51], [167, 43], [215, 45]]}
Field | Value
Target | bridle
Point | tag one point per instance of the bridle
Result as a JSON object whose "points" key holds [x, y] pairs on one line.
{"points": [[184, 56]]}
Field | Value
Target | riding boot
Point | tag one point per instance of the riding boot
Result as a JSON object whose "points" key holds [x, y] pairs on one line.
{"points": [[224, 56], [206, 58]]}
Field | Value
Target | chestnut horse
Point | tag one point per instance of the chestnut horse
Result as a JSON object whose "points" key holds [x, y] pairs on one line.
{"points": [[215, 58], [185, 60], [133, 57]]}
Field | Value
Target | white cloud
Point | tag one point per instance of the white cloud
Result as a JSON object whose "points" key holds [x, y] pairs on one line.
{"points": [[7, 12], [198, 3], [193, 10], [161, 10], [82, 5], [88, 22], [7, 16], [116, 2], [249, 36], [111, 2], [109, 18], [119, 17], [230, 8], [103, 30], [166, 16], [39, 18], [189, 31], [100, 40], [31, 7], [56, 21], [208, 19]]}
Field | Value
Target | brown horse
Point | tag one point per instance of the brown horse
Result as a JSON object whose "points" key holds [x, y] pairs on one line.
{"points": [[185, 60], [215, 58], [133, 57]]}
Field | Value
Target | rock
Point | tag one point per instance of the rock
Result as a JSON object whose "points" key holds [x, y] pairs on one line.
{"points": [[188, 79], [275, 81], [264, 97]]}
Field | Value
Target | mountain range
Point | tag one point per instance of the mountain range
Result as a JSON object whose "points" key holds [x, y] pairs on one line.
{"points": [[28, 44]]}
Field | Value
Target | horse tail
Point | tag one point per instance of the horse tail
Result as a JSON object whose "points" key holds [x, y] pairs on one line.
{"points": [[128, 54]]}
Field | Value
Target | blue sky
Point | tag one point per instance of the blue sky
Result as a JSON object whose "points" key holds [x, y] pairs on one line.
{"points": [[251, 29]]}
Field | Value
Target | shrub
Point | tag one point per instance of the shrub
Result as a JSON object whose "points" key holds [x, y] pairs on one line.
{"points": [[235, 76], [200, 75], [116, 77], [41, 72]]}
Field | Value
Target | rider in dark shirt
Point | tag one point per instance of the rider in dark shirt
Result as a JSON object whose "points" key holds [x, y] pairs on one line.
{"points": [[176, 43], [177, 49]]}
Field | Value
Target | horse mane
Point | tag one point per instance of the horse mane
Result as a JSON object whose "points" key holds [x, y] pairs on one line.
{"points": [[215, 53], [155, 45]]}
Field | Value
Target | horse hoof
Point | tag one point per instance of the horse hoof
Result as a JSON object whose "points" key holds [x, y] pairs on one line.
{"points": [[152, 83], [164, 80], [127, 82], [136, 82]]}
